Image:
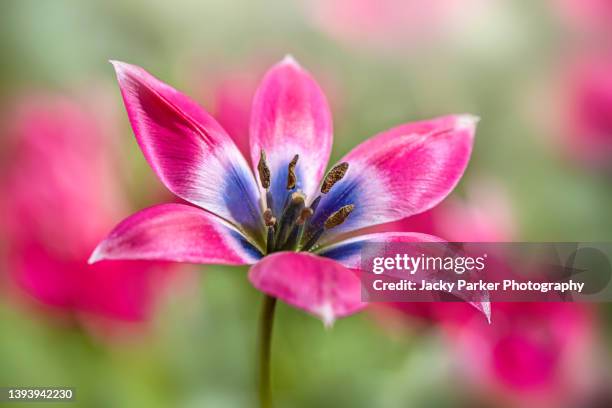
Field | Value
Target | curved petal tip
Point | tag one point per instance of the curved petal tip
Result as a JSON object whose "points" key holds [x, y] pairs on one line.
{"points": [[467, 121], [119, 66], [486, 309], [96, 255], [290, 60], [326, 314]]}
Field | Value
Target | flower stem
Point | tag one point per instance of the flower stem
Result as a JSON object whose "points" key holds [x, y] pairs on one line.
{"points": [[266, 324]]}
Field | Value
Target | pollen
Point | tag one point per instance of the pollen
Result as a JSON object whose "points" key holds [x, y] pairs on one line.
{"points": [[264, 170], [339, 216], [291, 177], [333, 176]]}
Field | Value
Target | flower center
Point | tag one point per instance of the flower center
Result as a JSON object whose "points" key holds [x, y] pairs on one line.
{"points": [[287, 232]]}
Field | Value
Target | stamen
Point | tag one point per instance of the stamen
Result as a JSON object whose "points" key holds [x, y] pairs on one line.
{"points": [[313, 240], [304, 216], [292, 211], [296, 198], [333, 176], [315, 204], [270, 241], [293, 238], [339, 216], [264, 170], [291, 178], [269, 219], [269, 199], [332, 221]]}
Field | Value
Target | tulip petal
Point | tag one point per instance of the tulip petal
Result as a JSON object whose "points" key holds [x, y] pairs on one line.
{"points": [[398, 173], [291, 116], [348, 253], [178, 233], [188, 150], [317, 285]]}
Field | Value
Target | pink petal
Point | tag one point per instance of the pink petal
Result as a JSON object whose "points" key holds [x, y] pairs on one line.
{"points": [[179, 233], [291, 116], [539, 350], [401, 172], [317, 285], [61, 187], [121, 290], [188, 150], [485, 215], [348, 253]]}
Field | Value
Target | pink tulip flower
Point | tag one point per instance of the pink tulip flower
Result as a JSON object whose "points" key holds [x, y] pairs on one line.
{"points": [[60, 197], [531, 354], [588, 16], [392, 24], [586, 110], [284, 216]]}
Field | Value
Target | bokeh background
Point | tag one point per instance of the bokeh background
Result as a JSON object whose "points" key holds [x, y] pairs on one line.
{"points": [[538, 73]]}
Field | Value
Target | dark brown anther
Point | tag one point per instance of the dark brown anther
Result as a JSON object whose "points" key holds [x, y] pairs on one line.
{"points": [[333, 176], [264, 170], [269, 219], [291, 178], [304, 216], [339, 216]]}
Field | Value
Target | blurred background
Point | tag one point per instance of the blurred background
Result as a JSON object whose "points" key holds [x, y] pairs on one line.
{"points": [[538, 73]]}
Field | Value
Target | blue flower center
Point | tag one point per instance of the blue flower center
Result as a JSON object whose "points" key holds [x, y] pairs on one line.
{"points": [[287, 232]]}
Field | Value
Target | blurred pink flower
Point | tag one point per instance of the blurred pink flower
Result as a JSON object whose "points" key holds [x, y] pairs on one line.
{"points": [[589, 16], [232, 95], [531, 354], [585, 113], [390, 24], [61, 187], [280, 215], [484, 216]]}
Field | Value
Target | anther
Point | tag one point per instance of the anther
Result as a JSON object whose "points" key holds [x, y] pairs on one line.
{"points": [[264, 170], [269, 219], [339, 216], [291, 178], [304, 216], [332, 221], [333, 176]]}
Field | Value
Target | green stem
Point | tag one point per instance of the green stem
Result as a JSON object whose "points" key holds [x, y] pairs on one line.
{"points": [[266, 324]]}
